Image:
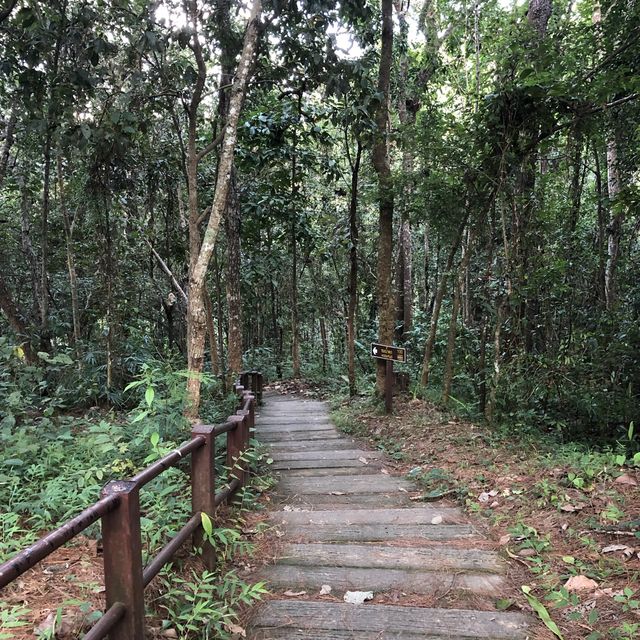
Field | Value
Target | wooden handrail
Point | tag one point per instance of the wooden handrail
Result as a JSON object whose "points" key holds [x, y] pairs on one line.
{"points": [[119, 510]]}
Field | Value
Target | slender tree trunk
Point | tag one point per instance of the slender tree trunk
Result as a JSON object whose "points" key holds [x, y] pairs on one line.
{"points": [[211, 335], [220, 315], [295, 192], [435, 314], [325, 345], [491, 402], [201, 252], [616, 219], [234, 298], [453, 325], [69, 227], [16, 319], [382, 165], [451, 343], [353, 270]]}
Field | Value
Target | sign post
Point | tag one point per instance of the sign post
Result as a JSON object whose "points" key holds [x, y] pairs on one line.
{"points": [[390, 354]]}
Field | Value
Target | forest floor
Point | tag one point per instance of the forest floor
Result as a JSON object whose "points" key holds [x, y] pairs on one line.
{"points": [[568, 519]]}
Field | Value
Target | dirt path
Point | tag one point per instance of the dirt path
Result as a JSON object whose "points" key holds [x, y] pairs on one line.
{"points": [[348, 524]]}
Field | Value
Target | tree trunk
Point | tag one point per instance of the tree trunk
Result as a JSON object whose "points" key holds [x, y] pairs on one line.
{"points": [[234, 268], [451, 343], [201, 252], [15, 318], [353, 270], [325, 346], [69, 227], [435, 314], [382, 165], [211, 335], [614, 228]]}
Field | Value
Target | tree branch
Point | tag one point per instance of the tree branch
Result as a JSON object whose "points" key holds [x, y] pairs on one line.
{"points": [[168, 271]]}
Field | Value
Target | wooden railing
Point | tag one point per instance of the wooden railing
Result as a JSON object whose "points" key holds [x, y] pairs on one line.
{"points": [[119, 510]]}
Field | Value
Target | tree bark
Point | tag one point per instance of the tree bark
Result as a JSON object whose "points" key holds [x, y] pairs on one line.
{"points": [[382, 166], [69, 227], [201, 252], [435, 314], [353, 270], [234, 298]]}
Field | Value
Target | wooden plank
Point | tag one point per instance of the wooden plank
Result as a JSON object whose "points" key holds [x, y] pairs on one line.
{"points": [[294, 427], [380, 532], [333, 502], [327, 454], [298, 436], [326, 620], [311, 465], [286, 418], [358, 469], [370, 556], [416, 515], [314, 445], [379, 483], [283, 576]]}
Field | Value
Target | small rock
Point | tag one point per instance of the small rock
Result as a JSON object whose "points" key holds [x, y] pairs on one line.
{"points": [[625, 478]]}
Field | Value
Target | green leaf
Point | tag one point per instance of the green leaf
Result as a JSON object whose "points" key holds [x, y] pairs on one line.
{"points": [[141, 416], [149, 395], [542, 612], [155, 438], [207, 525]]}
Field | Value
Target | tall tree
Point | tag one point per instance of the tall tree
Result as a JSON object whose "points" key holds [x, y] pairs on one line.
{"points": [[382, 165]]}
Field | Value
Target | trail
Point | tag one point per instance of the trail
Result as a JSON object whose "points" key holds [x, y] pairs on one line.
{"points": [[348, 523]]}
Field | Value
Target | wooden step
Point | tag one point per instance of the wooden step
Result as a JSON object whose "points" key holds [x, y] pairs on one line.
{"points": [[311, 445], [405, 581], [298, 620], [327, 472], [298, 436], [311, 465], [327, 454], [332, 502], [380, 532], [379, 483], [371, 556], [416, 515], [294, 427], [286, 418]]}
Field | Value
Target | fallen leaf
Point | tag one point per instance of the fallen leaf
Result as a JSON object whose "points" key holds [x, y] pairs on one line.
{"points": [[580, 583], [484, 497], [336, 493], [357, 597], [236, 630], [386, 473], [294, 594], [504, 539], [576, 506], [325, 590], [436, 520], [628, 551], [363, 460], [625, 478]]}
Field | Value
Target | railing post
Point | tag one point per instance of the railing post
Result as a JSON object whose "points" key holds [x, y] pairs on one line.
{"points": [[122, 548], [259, 382], [234, 448], [203, 487]]}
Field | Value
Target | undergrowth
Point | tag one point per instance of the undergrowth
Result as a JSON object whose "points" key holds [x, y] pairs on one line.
{"points": [[55, 463]]}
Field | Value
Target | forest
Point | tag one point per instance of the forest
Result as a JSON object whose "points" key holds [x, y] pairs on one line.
{"points": [[194, 188]]}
